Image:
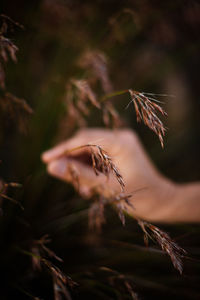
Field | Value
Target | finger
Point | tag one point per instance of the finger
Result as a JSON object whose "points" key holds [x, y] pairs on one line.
{"points": [[58, 150], [82, 137], [62, 168]]}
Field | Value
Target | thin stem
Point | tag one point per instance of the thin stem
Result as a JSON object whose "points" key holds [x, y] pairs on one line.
{"points": [[107, 96], [12, 200], [78, 148]]}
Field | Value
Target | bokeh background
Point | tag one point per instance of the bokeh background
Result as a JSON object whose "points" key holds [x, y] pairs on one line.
{"points": [[150, 46]]}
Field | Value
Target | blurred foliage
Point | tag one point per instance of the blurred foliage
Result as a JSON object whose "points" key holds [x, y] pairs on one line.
{"points": [[150, 46]]}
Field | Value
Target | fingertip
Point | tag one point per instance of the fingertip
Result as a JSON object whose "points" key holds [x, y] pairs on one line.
{"points": [[45, 156], [58, 168]]}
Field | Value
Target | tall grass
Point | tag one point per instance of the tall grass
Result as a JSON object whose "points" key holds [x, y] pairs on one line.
{"points": [[103, 260]]}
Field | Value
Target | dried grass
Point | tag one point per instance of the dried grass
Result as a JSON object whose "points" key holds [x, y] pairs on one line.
{"points": [[101, 162], [13, 107], [4, 186], [97, 63], [120, 202], [7, 47], [39, 252], [115, 278], [175, 252], [145, 108]]}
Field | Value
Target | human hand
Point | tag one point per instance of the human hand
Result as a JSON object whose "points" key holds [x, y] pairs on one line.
{"points": [[127, 154], [124, 148], [158, 198]]}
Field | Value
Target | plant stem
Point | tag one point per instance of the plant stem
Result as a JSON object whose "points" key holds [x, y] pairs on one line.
{"points": [[107, 96]]}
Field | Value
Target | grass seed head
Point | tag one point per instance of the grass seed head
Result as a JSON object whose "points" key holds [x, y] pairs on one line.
{"points": [[84, 92], [145, 108], [96, 61], [102, 162], [166, 243]]}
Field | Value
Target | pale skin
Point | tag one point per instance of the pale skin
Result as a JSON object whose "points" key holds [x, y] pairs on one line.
{"points": [[155, 197]]}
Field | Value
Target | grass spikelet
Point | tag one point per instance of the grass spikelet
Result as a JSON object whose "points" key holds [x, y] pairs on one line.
{"points": [[96, 61], [121, 203], [116, 278], [166, 243], [96, 211], [96, 216], [7, 47], [145, 108], [4, 190], [16, 109], [39, 255], [77, 97], [84, 92], [101, 162]]}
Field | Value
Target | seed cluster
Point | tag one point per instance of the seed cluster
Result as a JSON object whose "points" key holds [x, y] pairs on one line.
{"points": [[146, 111], [102, 162], [167, 244]]}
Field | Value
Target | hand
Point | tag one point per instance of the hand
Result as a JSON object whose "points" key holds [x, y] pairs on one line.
{"points": [[155, 198], [124, 148]]}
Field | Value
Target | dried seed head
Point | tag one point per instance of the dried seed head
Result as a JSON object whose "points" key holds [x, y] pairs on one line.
{"points": [[78, 95], [102, 162], [60, 281], [122, 203], [17, 109], [39, 252], [7, 47], [146, 111], [96, 216], [97, 62], [167, 244], [84, 92], [96, 211], [115, 278], [42, 249]]}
